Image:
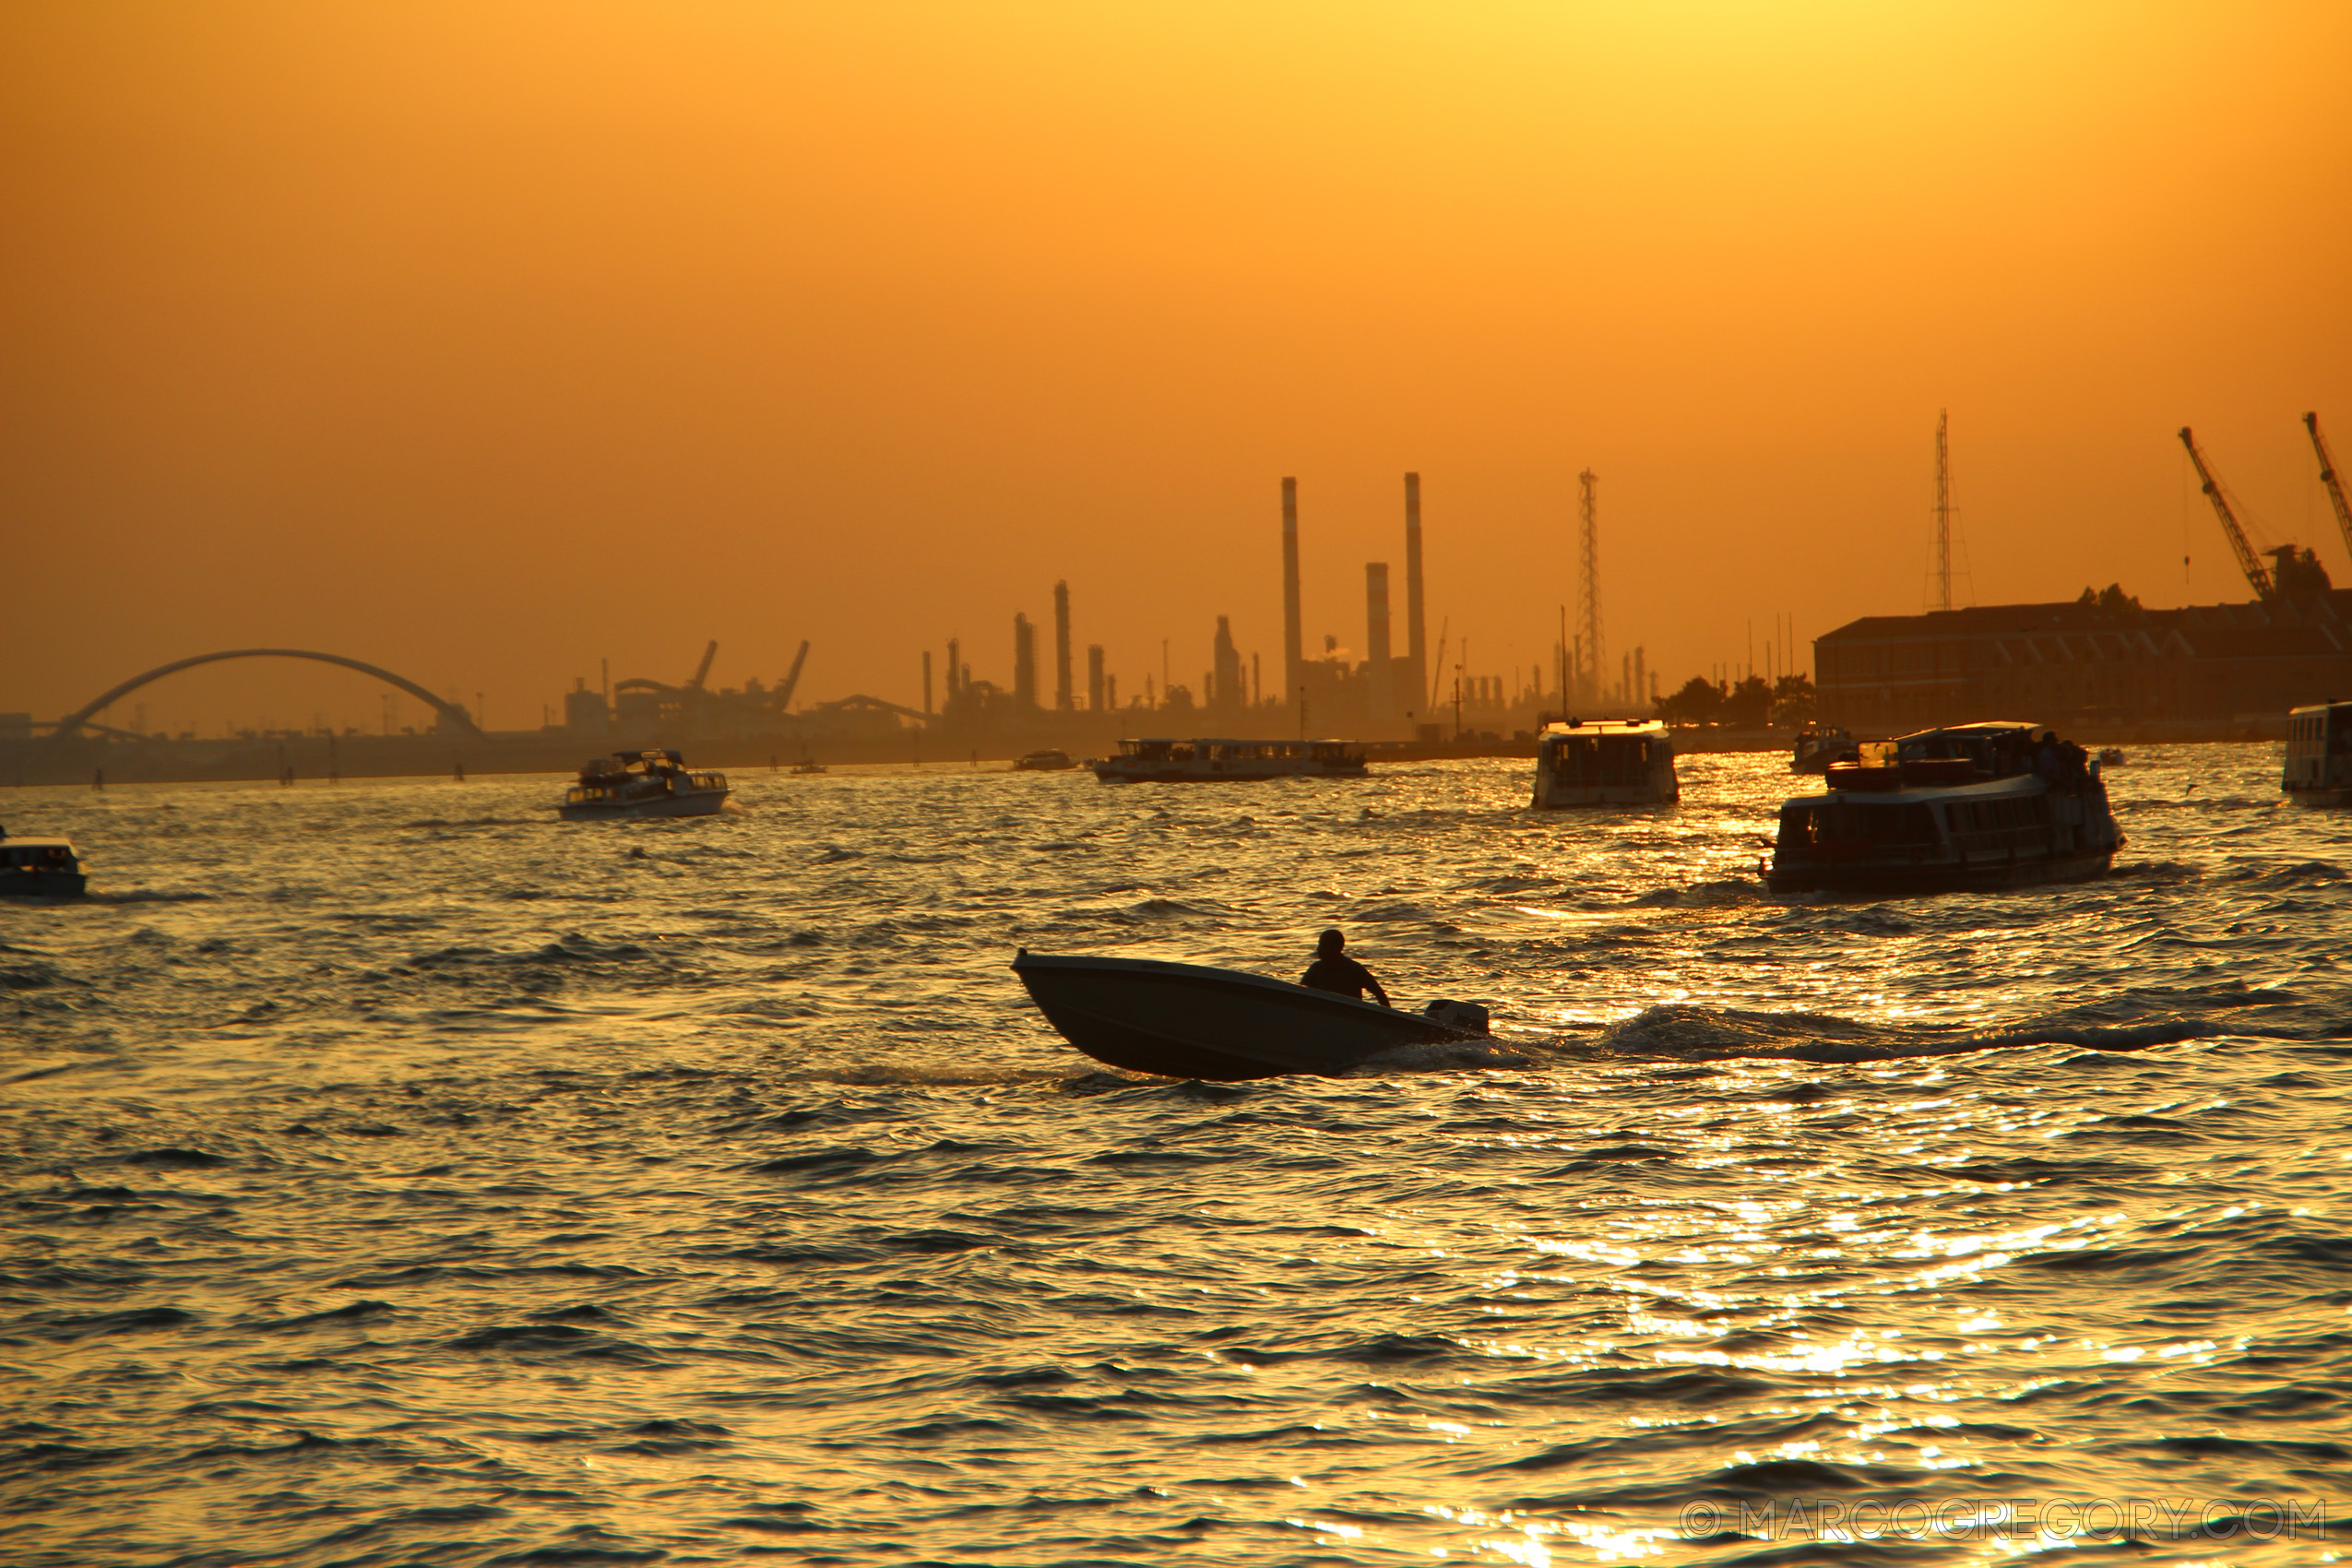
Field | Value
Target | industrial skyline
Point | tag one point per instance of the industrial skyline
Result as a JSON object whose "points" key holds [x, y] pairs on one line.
{"points": [[485, 364]]}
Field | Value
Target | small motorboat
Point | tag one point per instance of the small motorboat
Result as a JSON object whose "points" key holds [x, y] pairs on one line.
{"points": [[39, 868], [632, 784], [808, 764], [1191, 1021], [1043, 762], [1818, 745], [2110, 756]]}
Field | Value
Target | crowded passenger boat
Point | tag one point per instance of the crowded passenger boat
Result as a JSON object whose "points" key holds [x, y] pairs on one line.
{"points": [[1967, 806], [634, 784]]}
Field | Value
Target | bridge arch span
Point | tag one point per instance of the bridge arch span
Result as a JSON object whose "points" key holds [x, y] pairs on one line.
{"points": [[450, 713]]}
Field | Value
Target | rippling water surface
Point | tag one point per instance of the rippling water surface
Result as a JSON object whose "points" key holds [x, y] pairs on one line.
{"points": [[398, 1177]]}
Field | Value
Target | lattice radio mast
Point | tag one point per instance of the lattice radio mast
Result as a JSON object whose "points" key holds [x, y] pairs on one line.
{"points": [[1939, 573], [1590, 517]]}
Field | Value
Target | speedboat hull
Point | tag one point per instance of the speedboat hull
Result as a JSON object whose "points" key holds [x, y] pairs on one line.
{"points": [[1191, 1021], [699, 802]]}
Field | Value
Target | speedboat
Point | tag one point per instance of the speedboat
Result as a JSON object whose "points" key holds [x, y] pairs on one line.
{"points": [[1606, 762], [632, 784], [1191, 1021], [1168, 762], [2319, 755], [1964, 807], [39, 868], [1043, 762]]}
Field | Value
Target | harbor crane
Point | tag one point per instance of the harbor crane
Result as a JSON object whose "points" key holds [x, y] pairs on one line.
{"points": [[2247, 562], [2327, 478], [702, 670], [783, 696]]}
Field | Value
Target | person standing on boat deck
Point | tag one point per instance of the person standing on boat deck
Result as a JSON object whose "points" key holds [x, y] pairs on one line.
{"points": [[1334, 971]]}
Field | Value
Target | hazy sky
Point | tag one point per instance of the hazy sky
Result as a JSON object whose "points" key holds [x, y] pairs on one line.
{"points": [[486, 341]]}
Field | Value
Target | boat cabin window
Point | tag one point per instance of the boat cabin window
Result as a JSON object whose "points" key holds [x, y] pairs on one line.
{"points": [[1998, 815], [1600, 759], [1815, 824]]}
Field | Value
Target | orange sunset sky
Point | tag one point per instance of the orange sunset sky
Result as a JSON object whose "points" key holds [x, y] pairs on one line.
{"points": [[484, 340]]}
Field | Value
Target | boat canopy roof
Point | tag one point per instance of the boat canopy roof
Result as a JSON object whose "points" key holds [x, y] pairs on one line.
{"points": [[1982, 729], [1607, 726], [11, 843]]}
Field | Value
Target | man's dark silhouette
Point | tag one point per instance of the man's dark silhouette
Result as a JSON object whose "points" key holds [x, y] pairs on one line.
{"points": [[1333, 970]]}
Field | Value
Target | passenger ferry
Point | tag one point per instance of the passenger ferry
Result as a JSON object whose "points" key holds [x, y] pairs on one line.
{"points": [[39, 868], [1969, 806], [1606, 762], [2319, 755], [631, 784], [1171, 762]]}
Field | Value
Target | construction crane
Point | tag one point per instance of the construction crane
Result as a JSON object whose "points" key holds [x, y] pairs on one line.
{"points": [[2327, 477], [702, 670], [783, 695], [2247, 562]]}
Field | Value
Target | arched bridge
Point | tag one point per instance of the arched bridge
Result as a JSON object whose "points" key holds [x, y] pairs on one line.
{"points": [[449, 713]]}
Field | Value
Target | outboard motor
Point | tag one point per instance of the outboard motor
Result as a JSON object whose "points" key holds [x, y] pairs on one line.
{"points": [[1465, 1017]]}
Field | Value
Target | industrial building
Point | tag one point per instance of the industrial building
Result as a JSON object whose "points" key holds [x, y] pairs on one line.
{"points": [[2098, 664]]}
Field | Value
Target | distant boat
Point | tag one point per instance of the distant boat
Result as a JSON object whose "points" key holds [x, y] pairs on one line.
{"points": [[635, 784], [40, 868], [2112, 756], [1943, 810], [1043, 762], [1168, 762], [1191, 1021], [2319, 755], [1606, 762], [1819, 745], [808, 764]]}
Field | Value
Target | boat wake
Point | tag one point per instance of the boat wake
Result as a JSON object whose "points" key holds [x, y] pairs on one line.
{"points": [[1685, 1033]]}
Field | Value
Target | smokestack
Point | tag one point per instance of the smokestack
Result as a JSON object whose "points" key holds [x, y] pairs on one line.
{"points": [[1380, 699], [1096, 693], [954, 670], [1293, 663], [1062, 698], [926, 682], [1024, 662], [1416, 637], [1225, 685]]}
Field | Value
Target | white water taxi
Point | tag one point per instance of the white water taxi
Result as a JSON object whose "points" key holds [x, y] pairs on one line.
{"points": [[1169, 762], [632, 784], [1818, 745], [2319, 755], [1606, 762], [1968, 806], [39, 868]]}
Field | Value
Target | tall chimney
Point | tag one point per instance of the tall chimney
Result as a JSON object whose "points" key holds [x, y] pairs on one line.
{"points": [[1380, 691], [954, 669], [1096, 696], [1294, 673], [1024, 662], [1416, 637], [1062, 698], [926, 682]]}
